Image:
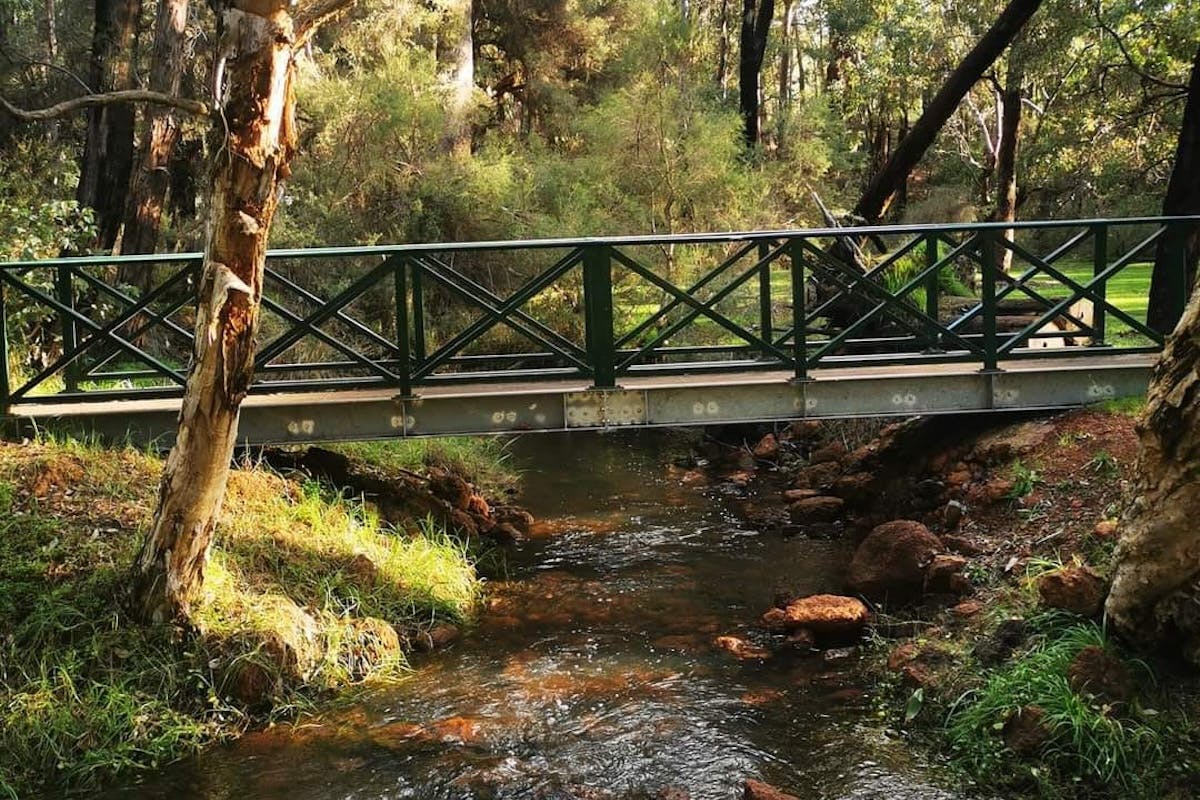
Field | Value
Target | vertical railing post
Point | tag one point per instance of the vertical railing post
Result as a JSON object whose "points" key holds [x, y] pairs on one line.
{"points": [[987, 257], [799, 312], [764, 296], [5, 387], [66, 296], [400, 269], [932, 292], [1099, 263], [418, 311], [598, 315]]}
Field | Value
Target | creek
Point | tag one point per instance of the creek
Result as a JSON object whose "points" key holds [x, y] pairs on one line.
{"points": [[592, 673]]}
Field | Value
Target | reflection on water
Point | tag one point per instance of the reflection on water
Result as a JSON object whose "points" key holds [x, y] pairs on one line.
{"points": [[592, 674]]}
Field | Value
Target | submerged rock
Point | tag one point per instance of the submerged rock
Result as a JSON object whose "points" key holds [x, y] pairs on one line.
{"points": [[891, 562], [742, 648], [816, 509], [757, 790]]}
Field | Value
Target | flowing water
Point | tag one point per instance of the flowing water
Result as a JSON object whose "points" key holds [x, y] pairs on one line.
{"points": [[592, 674]]}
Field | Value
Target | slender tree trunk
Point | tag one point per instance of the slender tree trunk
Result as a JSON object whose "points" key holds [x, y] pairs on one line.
{"points": [[148, 189], [785, 61], [723, 50], [50, 31], [256, 148], [1182, 199], [108, 148], [460, 79], [877, 198], [756, 25], [1006, 157], [1156, 587]]}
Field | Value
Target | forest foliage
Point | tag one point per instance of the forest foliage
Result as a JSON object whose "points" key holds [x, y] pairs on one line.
{"points": [[621, 116]]}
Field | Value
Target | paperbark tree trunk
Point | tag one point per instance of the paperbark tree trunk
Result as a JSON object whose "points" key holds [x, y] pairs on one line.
{"points": [[108, 148], [756, 25], [1182, 199], [1155, 596], [874, 202], [148, 188], [252, 161]]}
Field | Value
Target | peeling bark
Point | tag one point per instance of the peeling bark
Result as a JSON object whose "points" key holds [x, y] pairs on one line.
{"points": [[258, 144], [1155, 596]]}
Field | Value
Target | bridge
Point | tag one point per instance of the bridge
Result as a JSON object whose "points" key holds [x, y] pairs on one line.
{"points": [[596, 333]]}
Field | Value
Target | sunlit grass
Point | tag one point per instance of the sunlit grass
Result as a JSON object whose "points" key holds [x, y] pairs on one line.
{"points": [[482, 460], [86, 694]]}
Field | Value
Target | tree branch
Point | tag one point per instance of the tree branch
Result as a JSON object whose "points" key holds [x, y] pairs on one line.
{"points": [[1133, 65], [316, 13], [107, 98]]}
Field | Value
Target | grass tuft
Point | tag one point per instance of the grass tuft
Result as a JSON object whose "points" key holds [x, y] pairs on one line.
{"points": [[1089, 743]]}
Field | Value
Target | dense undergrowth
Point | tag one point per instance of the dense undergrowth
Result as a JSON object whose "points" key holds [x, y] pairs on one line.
{"points": [[306, 592]]}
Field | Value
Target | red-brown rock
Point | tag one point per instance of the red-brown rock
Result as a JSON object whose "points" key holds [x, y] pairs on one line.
{"points": [[767, 448], [945, 574], [775, 619], [857, 487], [891, 562], [793, 495], [1078, 589], [817, 476], [757, 790], [451, 488], [829, 453], [519, 518], [829, 616], [1096, 671], [1025, 731], [816, 509], [741, 648]]}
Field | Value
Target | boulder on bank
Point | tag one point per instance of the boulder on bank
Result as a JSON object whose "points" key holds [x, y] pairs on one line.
{"points": [[828, 616], [1078, 589], [892, 561]]}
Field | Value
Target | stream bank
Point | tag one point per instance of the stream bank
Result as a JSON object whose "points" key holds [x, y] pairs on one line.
{"points": [[981, 554], [308, 593]]}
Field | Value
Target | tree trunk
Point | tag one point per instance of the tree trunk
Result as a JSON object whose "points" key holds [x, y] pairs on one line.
{"points": [[756, 25], [1155, 597], [108, 148], [1182, 199], [256, 148], [460, 79], [148, 189], [876, 199], [785, 61], [1006, 158], [723, 50]]}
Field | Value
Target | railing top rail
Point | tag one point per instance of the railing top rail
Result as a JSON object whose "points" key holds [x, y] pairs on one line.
{"points": [[611, 241]]}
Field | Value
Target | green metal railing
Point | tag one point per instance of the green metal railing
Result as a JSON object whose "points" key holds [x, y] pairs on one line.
{"points": [[600, 309]]}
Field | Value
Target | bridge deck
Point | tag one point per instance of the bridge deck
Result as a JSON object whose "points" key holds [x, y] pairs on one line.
{"points": [[675, 400]]}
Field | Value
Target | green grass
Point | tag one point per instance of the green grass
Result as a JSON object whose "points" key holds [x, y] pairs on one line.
{"points": [[482, 460], [1090, 744], [85, 694], [1128, 290]]}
